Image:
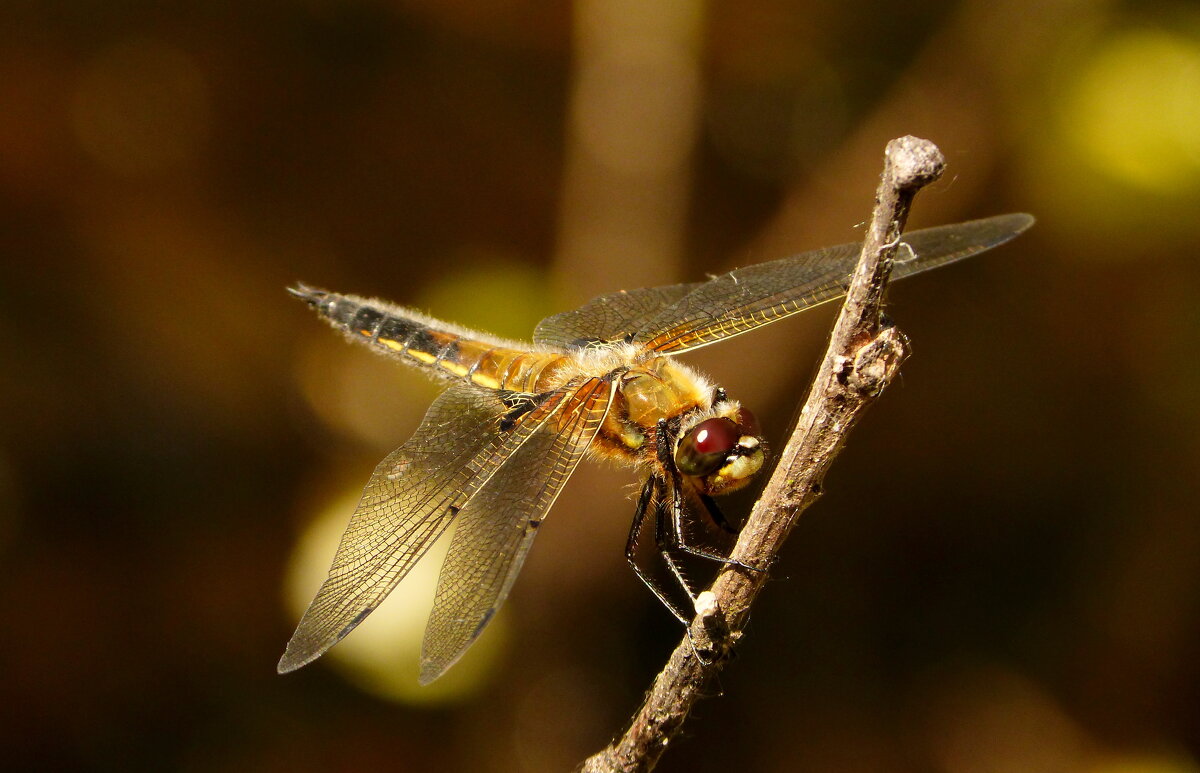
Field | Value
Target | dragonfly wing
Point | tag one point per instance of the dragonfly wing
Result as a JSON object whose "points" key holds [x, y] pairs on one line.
{"points": [[748, 298], [609, 319], [413, 495], [496, 529]]}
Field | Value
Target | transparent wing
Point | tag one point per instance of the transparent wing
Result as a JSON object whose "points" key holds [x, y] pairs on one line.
{"points": [[496, 529], [412, 497], [751, 297], [612, 318]]}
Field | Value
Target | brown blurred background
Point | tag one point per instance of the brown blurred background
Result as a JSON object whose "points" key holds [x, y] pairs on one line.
{"points": [[1004, 575]]}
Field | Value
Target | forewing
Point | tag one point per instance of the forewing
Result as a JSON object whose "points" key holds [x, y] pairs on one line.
{"points": [[411, 498], [609, 319], [496, 529], [748, 298]]}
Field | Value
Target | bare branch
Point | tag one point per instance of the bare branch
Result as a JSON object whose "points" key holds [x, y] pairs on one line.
{"points": [[863, 357]]}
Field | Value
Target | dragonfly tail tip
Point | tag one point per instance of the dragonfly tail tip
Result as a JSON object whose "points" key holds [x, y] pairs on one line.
{"points": [[306, 293]]}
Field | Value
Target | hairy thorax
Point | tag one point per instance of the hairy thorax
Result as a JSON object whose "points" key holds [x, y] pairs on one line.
{"points": [[648, 392]]}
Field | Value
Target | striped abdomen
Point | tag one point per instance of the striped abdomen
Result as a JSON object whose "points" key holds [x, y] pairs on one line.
{"points": [[427, 343]]}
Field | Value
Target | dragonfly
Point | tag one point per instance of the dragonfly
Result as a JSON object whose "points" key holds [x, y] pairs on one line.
{"points": [[497, 446]]}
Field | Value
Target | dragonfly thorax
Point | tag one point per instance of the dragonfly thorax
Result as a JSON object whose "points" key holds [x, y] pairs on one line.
{"points": [[649, 392], [662, 389], [715, 444]]}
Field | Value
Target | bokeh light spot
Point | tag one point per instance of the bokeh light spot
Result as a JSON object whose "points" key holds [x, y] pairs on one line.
{"points": [[493, 293], [381, 656], [358, 394], [986, 718], [1135, 111]]}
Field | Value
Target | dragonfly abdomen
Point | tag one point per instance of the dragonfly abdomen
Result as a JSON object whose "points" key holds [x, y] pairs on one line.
{"points": [[428, 344]]}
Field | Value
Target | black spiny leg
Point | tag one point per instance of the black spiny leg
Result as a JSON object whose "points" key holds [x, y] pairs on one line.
{"points": [[714, 512], [652, 494], [666, 537]]}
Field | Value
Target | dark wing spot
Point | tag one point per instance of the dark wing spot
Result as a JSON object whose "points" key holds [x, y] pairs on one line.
{"points": [[521, 404], [487, 618], [357, 619]]}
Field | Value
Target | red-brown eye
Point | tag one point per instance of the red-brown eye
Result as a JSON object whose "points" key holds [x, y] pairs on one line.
{"points": [[714, 436], [748, 423], [705, 448]]}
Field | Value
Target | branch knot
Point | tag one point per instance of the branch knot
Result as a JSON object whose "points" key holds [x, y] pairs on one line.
{"points": [[710, 630], [875, 363]]}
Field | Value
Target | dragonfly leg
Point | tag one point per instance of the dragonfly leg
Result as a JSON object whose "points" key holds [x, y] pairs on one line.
{"points": [[655, 489], [651, 496], [666, 538], [678, 513], [714, 512]]}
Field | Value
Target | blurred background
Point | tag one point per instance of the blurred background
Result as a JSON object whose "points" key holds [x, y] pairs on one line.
{"points": [[1003, 576]]}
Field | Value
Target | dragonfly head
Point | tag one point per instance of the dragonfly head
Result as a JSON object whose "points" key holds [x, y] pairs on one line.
{"points": [[722, 450]]}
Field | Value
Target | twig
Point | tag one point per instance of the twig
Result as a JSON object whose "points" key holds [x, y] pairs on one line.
{"points": [[863, 357]]}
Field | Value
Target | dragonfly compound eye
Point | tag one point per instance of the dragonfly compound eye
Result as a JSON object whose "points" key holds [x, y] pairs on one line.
{"points": [[704, 449], [748, 423]]}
